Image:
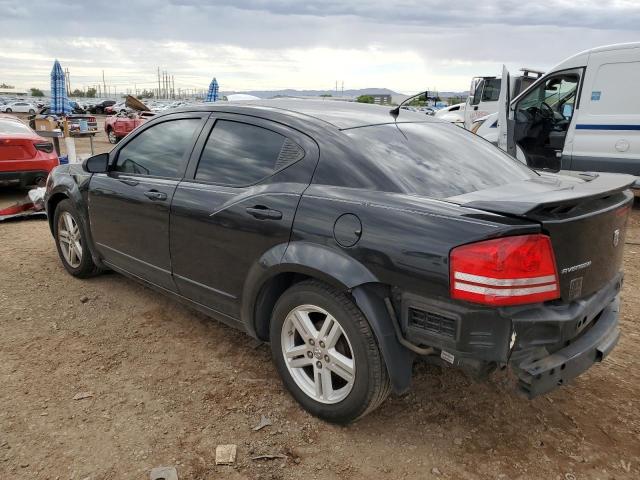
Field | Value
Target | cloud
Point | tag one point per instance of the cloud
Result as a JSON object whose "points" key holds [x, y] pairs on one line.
{"points": [[257, 44]]}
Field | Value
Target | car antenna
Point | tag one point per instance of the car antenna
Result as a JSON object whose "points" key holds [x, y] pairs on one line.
{"points": [[395, 112]]}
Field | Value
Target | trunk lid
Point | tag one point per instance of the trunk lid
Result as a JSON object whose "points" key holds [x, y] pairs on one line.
{"points": [[584, 214], [16, 149]]}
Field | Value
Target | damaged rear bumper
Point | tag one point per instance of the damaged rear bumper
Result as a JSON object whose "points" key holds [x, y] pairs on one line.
{"points": [[539, 371]]}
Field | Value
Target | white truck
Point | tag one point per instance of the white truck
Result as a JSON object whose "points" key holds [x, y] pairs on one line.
{"points": [[583, 115], [485, 91]]}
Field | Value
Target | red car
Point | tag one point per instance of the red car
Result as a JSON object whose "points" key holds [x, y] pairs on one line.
{"points": [[25, 157], [118, 126]]}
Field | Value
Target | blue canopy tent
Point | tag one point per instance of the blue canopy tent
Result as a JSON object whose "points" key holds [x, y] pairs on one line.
{"points": [[59, 102], [212, 94]]}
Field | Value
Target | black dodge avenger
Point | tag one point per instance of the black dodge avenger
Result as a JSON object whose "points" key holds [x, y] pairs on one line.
{"points": [[355, 243]]}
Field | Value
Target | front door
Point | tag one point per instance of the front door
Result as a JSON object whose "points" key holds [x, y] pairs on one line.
{"points": [[129, 205], [236, 203], [542, 119]]}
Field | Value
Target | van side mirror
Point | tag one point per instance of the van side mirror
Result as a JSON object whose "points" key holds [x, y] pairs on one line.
{"points": [[96, 164]]}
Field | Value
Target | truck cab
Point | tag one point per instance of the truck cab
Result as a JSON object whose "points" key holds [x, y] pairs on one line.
{"points": [[584, 114], [484, 94]]}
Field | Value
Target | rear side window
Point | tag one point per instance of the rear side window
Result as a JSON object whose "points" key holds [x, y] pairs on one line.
{"points": [[159, 151], [436, 160], [240, 154], [11, 126]]}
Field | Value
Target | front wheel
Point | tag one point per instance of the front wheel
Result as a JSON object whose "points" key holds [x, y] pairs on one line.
{"points": [[32, 111], [111, 135], [326, 353], [71, 242], [8, 110]]}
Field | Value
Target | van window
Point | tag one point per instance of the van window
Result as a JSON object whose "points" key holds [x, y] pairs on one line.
{"points": [[614, 87], [551, 96]]}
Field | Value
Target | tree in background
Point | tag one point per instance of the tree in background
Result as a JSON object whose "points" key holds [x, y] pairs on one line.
{"points": [[326, 95], [4, 85], [91, 92], [77, 93], [456, 99], [146, 94], [36, 92], [365, 99]]}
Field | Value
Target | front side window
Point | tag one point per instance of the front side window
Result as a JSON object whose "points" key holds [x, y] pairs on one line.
{"points": [[240, 154], [158, 151], [491, 90], [555, 95]]}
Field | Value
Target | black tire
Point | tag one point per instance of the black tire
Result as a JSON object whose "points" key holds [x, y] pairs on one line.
{"points": [[8, 110], [99, 111], [32, 112], [371, 382], [112, 138], [86, 268]]}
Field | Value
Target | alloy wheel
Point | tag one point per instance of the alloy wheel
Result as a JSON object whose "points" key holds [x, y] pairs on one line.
{"points": [[112, 137], [69, 239], [318, 354]]}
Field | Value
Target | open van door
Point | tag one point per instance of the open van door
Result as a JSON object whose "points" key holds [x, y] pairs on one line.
{"points": [[503, 112], [541, 117]]}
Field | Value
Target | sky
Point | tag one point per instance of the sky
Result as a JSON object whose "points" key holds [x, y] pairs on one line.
{"points": [[407, 46]]}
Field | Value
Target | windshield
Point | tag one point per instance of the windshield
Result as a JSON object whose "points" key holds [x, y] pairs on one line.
{"points": [[437, 160]]}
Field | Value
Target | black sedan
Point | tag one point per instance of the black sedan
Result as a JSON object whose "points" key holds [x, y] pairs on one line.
{"points": [[355, 243]]}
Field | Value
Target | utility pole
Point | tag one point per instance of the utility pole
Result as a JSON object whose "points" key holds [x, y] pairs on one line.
{"points": [[104, 84], [173, 87], [158, 82]]}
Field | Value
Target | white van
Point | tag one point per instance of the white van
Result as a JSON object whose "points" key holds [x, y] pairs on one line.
{"points": [[485, 91], [584, 114]]}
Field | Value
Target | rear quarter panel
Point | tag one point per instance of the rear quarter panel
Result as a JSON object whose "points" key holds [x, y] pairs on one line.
{"points": [[405, 240]]}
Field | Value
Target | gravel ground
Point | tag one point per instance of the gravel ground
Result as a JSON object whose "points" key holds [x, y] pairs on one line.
{"points": [[164, 386]]}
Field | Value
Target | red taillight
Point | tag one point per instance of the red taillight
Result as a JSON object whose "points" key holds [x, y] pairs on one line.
{"points": [[505, 271]]}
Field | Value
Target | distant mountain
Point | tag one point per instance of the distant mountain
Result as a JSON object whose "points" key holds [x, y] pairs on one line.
{"points": [[351, 93], [289, 92]]}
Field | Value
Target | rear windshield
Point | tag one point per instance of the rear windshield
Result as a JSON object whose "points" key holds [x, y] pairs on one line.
{"points": [[437, 160], [8, 127]]}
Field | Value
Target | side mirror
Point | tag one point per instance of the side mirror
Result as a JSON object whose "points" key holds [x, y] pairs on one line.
{"points": [[96, 164]]}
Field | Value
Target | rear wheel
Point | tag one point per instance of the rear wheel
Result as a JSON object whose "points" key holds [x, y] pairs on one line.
{"points": [[8, 110], [326, 353], [32, 111], [71, 242]]}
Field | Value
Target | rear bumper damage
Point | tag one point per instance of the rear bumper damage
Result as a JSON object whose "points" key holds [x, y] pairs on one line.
{"points": [[546, 344], [555, 351], [541, 376]]}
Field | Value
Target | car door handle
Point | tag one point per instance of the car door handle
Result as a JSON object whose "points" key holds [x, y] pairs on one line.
{"points": [[155, 195], [264, 213]]}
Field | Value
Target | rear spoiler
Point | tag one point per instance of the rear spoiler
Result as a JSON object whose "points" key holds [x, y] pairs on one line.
{"points": [[545, 191]]}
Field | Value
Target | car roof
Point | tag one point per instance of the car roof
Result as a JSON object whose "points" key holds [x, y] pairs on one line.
{"points": [[12, 121], [340, 114]]}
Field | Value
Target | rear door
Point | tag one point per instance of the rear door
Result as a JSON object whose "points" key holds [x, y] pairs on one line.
{"points": [[129, 205], [237, 202]]}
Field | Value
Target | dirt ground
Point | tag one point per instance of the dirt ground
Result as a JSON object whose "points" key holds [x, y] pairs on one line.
{"points": [[165, 385]]}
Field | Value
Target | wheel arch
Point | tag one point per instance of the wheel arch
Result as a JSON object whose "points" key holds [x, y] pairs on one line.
{"points": [[283, 267], [52, 204]]}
